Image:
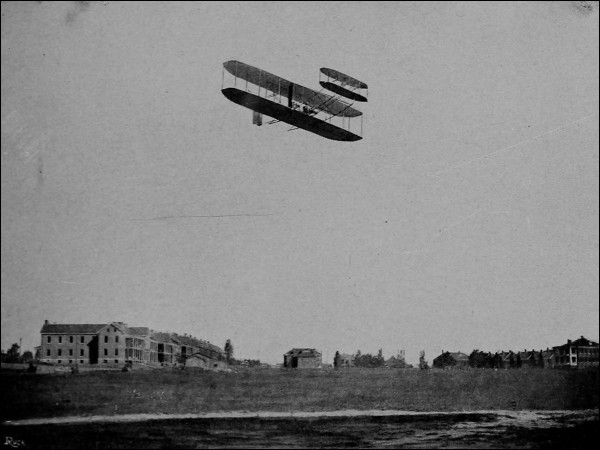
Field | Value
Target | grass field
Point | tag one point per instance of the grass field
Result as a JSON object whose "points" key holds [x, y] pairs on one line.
{"points": [[190, 391]]}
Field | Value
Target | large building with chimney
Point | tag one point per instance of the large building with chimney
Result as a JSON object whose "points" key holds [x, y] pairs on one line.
{"points": [[578, 353], [116, 343]]}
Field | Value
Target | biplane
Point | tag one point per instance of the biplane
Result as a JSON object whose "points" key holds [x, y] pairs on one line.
{"points": [[321, 113]]}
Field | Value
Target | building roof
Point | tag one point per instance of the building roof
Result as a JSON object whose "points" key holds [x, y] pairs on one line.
{"points": [[163, 337], [581, 342], [548, 354], [303, 352], [213, 347], [188, 340], [526, 354], [457, 356], [138, 331], [80, 328]]}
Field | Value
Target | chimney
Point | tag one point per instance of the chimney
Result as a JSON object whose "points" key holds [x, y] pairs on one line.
{"points": [[46, 322]]}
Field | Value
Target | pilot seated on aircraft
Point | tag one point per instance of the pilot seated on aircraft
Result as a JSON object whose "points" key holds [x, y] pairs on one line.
{"points": [[309, 111]]}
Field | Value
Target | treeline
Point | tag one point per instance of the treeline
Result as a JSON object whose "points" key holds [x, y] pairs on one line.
{"points": [[13, 355], [245, 362], [368, 360]]}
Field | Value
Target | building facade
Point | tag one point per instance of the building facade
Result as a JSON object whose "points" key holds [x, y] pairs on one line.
{"points": [[116, 343], [346, 360], [580, 353], [302, 358]]}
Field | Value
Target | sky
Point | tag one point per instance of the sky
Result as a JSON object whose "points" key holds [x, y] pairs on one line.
{"points": [[466, 217]]}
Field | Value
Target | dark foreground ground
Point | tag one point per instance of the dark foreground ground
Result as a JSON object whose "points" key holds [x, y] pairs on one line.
{"points": [[560, 430], [504, 409]]}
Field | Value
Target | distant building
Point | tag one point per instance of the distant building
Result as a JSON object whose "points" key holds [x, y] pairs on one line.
{"points": [[576, 354], [508, 359], [116, 343], [302, 358], [346, 360], [549, 358], [529, 358], [398, 361], [451, 359]]}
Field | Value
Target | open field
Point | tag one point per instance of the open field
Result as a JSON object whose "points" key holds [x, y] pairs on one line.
{"points": [[299, 409], [189, 391]]}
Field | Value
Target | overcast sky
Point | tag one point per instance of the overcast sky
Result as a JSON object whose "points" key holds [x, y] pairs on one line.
{"points": [[467, 217]]}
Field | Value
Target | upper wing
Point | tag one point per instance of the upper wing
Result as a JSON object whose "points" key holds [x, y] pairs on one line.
{"points": [[343, 78], [340, 90], [283, 87]]}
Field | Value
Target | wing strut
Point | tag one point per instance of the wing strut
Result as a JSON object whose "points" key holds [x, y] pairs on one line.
{"points": [[290, 95]]}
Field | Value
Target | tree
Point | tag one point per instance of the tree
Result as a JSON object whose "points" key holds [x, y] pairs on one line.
{"points": [[473, 358], [541, 359], [228, 350], [27, 356], [368, 360], [336, 359], [423, 364], [380, 359], [479, 359], [13, 355]]}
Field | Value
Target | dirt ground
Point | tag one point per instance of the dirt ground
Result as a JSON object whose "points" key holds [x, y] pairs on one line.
{"points": [[335, 429], [505, 417]]}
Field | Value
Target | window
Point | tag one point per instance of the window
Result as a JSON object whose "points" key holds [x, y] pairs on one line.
{"points": [[82, 339], [105, 339], [81, 352], [60, 339], [116, 338], [59, 352], [105, 361], [105, 352], [48, 352], [573, 359], [70, 352], [59, 361], [70, 361], [108, 330], [70, 339], [116, 352], [49, 339], [116, 361], [81, 361]]}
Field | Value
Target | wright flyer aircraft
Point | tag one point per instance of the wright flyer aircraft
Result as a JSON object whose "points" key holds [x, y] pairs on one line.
{"points": [[327, 115]]}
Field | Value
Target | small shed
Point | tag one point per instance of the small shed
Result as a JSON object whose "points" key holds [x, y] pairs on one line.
{"points": [[302, 358]]}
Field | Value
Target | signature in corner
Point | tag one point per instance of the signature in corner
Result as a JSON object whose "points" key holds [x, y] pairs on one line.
{"points": [[13, 442]]}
